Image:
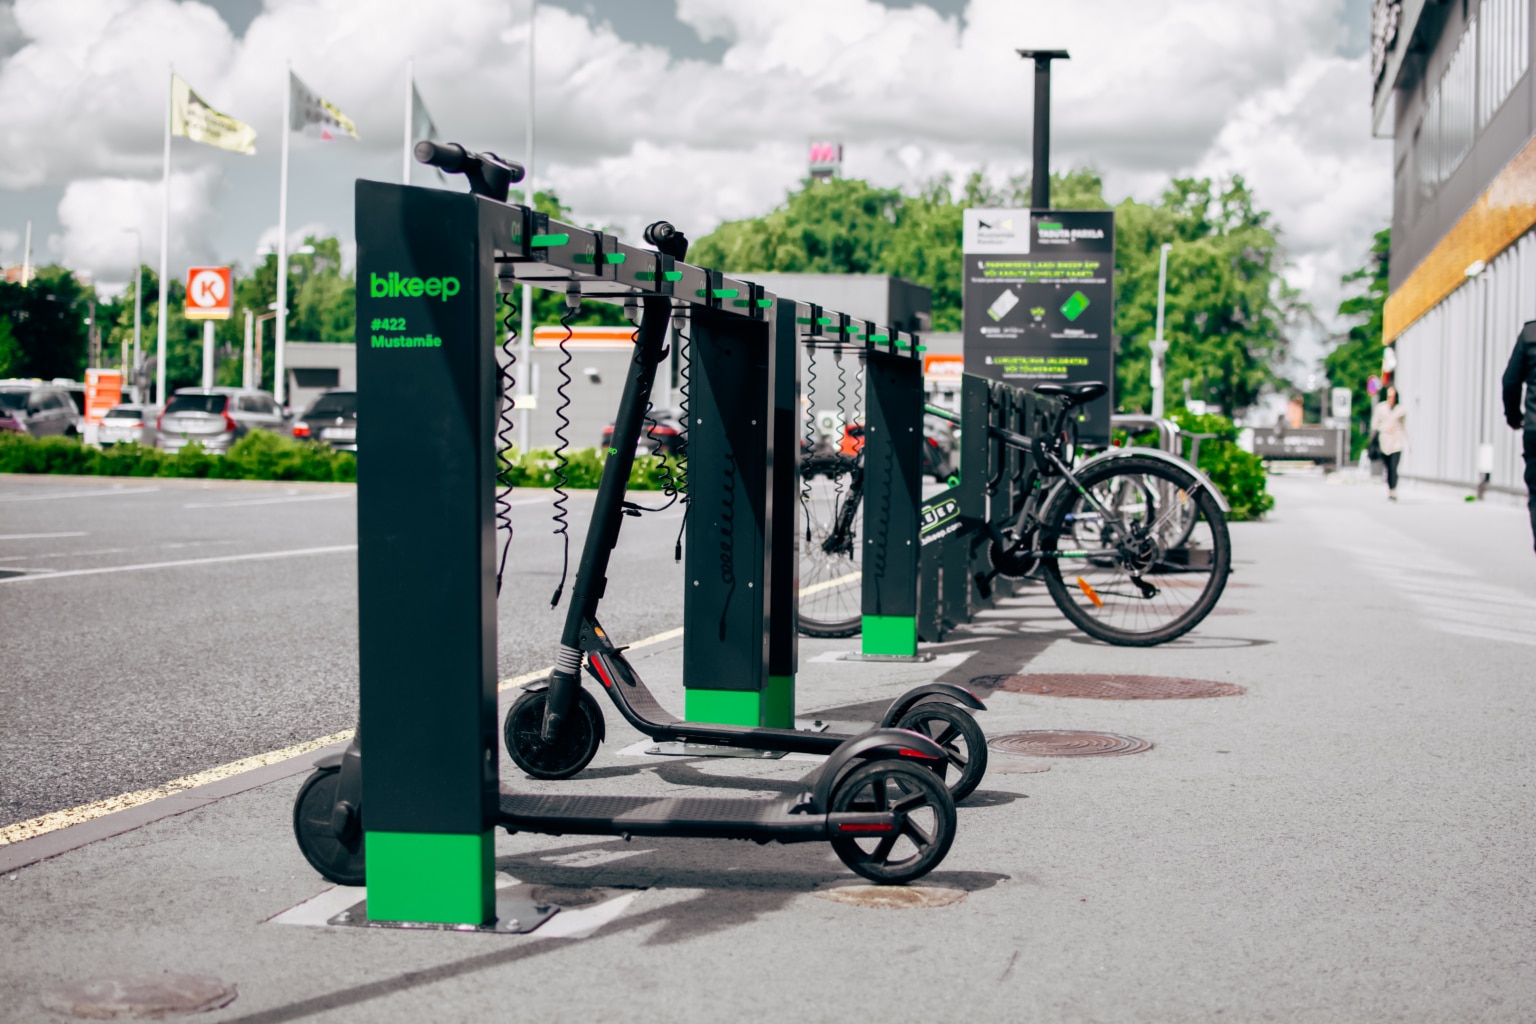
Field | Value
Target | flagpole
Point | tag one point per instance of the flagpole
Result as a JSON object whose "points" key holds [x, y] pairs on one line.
{"points": [[279, 389], [525, 424], [405, 162], [165, 243]]}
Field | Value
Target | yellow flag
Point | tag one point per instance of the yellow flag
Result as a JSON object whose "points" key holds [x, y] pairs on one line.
{"points": [[315, 116], [193, 118]]}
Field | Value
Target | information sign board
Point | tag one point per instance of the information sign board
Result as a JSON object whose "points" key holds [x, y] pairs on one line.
{"points": [[1040, 302]]}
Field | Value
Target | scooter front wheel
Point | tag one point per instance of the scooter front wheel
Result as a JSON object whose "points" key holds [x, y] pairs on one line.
{"points": [[957, 731], [925, 821], [571, 751], [338, 857]]}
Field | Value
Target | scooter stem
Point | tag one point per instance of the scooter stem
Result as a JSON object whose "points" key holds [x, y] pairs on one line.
{"points": [[607, 511]]}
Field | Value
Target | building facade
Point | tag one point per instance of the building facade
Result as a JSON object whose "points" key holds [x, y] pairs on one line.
{"points": [[1454, 89]]}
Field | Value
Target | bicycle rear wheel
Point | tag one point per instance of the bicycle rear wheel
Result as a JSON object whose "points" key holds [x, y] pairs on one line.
{"points": [[1146, 569], [831, 556]]}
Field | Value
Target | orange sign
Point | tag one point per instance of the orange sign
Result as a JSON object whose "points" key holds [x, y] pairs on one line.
{"points": [[210, 293], [943, 365], [103, 390]]}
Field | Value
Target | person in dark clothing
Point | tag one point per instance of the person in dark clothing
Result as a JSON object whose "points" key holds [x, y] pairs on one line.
{"points": [[1521, 372]]}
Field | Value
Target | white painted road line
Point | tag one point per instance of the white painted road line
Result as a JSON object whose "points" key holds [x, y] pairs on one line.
{"points": [[40, 536], [34, 827], [185, 561], [81, 494], [270, 501], [816, 588]]}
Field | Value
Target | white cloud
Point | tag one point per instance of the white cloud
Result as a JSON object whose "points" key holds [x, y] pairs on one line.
{"points": [[627, 134], [98, 214]]}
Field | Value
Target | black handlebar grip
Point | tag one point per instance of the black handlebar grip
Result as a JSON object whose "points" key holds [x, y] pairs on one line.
{"points": [[451, 156]]}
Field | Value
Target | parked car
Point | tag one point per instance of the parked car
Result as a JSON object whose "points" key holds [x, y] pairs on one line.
{"points": [[661, 435], [41, 408], [125, 423], [215, 417], [76, 392], [332, 420]]}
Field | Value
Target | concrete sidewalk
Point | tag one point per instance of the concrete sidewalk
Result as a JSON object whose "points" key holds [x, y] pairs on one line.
{"points": [[1349, 840]]}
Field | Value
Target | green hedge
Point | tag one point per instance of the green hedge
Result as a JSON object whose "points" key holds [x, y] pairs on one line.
{"points": [[261, 455], [1240, 475], [583, 469]]}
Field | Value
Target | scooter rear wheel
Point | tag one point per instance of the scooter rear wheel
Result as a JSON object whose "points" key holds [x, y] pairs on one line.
{"points": [[925, 821], [339, 858], [957, 731], [571, 751]]}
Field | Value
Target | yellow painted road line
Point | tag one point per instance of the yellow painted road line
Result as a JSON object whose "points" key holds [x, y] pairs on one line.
{"points": [[35, 827], [52, 822], [260, 556], [829, 584]]}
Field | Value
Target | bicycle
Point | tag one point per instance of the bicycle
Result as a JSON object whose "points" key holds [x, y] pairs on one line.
{"points": [[1132, 545]]}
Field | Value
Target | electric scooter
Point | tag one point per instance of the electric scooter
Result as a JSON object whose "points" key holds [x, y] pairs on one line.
{"points": [[878, 799], [553, 730]]}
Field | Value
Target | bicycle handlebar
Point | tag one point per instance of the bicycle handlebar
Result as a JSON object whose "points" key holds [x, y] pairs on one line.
{"points": [[488, 174]]}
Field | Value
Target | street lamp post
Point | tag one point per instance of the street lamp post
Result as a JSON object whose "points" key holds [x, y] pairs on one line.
{"points": [[138, 301], [1159, 346], [1040, 189], [525, 342]]}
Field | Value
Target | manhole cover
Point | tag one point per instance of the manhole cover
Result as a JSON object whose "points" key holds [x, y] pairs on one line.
{"points": [[139, 996], [1049, 743], [1108, 687], [892, 897]]}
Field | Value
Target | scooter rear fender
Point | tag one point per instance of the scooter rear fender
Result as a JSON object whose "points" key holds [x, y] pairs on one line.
{"points": [[948, 692], [893, 743]]}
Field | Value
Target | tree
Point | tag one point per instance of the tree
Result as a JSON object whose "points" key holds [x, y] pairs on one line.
{"points": [[46, 320], [10, 350], [1356, 358], [1227, 307]]}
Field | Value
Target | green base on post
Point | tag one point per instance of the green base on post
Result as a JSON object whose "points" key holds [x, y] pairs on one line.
{"points": [[774, 707], [441, 879], [779, 703], [890, 634]]}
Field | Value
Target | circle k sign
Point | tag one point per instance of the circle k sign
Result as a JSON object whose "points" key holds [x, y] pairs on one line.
{"points": [[210, 293]]}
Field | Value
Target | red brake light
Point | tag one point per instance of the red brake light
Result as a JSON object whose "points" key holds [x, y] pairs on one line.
{"points": [[301, 429], [229, 421], [160, 420], [874, 826], [933, 442], [906, 752]]}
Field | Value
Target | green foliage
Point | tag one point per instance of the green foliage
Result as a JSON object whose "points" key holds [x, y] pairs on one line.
{"points": [[10, 350], [257, 456], [1238, 474], [46, 323], [1358, 357], [583, 469], [1227, 307]]}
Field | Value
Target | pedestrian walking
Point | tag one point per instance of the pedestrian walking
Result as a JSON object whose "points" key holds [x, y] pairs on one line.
{"points": [[1521, 372], [1390, 434]]}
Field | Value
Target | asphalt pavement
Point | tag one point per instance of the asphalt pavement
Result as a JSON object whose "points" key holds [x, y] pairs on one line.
{"points": [[150, 629], [1347, 840]]}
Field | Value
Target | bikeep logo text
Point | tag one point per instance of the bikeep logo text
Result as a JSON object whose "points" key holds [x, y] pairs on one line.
{"points": [[394, 286]]}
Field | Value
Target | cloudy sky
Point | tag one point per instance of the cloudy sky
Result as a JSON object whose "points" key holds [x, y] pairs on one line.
{"points": [[693, 110]]}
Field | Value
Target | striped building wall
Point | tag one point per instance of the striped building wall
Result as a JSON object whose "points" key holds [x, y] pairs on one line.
{"points": [[1450, 361]]}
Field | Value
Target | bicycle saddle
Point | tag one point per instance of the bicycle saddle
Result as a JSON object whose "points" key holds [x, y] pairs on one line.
{"points": [[1075, 394]]}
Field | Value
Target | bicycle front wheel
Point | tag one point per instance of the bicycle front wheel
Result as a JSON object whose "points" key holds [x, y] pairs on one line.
{"points": [[1139, 556], [831, 556]]}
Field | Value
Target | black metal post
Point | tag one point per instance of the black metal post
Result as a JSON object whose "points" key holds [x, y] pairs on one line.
{"points": [[1040, 192]]}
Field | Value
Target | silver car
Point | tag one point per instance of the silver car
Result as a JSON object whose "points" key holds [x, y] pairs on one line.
{"points": [[126, 423], [216, 418], [41, 408]]}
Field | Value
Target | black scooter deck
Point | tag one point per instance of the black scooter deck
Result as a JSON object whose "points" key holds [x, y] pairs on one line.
{"points": [[693, 817]]}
